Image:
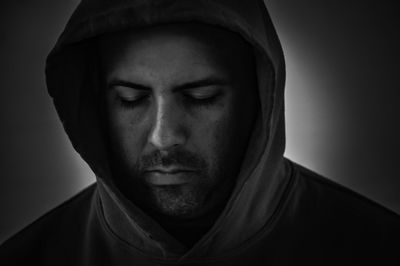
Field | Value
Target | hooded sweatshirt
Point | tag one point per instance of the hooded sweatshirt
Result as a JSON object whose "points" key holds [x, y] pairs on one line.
{"points": [[279, 213]]}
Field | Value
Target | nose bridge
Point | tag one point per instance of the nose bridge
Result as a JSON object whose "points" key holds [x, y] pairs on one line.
{"points": [[166, 130]]}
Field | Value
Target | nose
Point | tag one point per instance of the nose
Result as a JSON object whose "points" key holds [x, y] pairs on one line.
{"points": [[167, 131]]}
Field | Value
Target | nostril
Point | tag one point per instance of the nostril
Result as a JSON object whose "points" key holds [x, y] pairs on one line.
{"points": [[166, 135], [166, 130]]}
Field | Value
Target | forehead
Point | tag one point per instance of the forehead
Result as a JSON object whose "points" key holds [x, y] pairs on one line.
{"points": [[175, 49]]}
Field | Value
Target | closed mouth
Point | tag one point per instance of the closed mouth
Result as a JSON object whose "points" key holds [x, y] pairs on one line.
{"points": [[169, 176], [170, 170]]}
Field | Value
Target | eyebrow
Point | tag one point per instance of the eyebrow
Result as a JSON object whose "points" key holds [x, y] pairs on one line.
{"points": [[125, 83], [210, 81]]}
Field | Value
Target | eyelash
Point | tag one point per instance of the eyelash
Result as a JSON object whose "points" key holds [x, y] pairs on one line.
{"points": [[201, 102], [130, 104]]}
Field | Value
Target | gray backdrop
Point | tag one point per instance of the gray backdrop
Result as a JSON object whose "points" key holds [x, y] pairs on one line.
{"points": [[342, 101]]}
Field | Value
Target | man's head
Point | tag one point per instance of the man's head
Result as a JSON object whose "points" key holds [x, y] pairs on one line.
{"points": [[181, 101]]}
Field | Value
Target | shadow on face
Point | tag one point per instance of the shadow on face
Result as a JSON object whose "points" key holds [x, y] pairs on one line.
{"points": [[181, 101]]}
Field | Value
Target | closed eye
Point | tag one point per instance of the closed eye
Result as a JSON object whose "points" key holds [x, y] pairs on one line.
{"points": [[125, 102], [129, 97], [202, 94]]}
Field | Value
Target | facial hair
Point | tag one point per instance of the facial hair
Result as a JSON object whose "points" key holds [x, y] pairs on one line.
{"points": [[183, 201]]}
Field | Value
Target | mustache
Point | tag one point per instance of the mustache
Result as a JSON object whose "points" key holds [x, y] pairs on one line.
{"points": [[181, 158]]}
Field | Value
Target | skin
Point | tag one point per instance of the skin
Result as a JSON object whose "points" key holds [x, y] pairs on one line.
{"points": [[180, 103]]}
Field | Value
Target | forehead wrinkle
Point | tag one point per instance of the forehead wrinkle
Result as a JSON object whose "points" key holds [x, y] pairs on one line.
{"points": [[148, 77], [204, 56], [165, 74]]}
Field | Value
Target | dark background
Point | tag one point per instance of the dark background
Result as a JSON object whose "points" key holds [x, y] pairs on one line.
{"points": [[342, 97]]}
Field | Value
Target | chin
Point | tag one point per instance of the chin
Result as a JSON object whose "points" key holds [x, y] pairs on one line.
{"points": [[177, 201]]}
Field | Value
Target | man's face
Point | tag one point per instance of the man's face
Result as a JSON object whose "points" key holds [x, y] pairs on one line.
{"points": [[180, 103]]}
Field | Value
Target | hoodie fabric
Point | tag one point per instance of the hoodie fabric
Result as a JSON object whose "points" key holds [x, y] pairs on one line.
{"points": [[278, 213]]}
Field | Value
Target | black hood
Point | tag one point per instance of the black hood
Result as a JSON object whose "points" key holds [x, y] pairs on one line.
{"points": [[71, 79]]}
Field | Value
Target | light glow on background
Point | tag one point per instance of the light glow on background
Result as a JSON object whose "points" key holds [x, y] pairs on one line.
{"points": [[341, 102]]}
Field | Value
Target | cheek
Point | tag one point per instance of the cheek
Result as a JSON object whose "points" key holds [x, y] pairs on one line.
{"points": [[211, 134], [126, 136], [222, 141]]}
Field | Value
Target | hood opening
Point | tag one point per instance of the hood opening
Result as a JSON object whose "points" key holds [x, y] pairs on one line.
{"points": [[71, 75]]}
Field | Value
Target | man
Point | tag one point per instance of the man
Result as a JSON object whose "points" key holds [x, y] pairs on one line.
{"points": [[178, 108]]}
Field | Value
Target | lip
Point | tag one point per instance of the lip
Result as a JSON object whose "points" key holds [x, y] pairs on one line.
{"points": [[169, 176], [169, 170]]}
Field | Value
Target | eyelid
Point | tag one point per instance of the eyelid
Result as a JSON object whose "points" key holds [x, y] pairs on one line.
{"points": [[203, 92], [129, 94]]}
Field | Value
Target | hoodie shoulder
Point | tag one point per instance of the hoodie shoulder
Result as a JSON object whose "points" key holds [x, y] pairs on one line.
{"points": [[338, 222], [324, 193], [55, 230], [323, 223]]}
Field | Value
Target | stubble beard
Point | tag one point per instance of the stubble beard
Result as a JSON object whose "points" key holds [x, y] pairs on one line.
{"points": [[175, 201], [187, 200]]}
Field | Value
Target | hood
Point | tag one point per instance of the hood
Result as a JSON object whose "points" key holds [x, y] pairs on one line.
{"points": [[70, 72]]}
